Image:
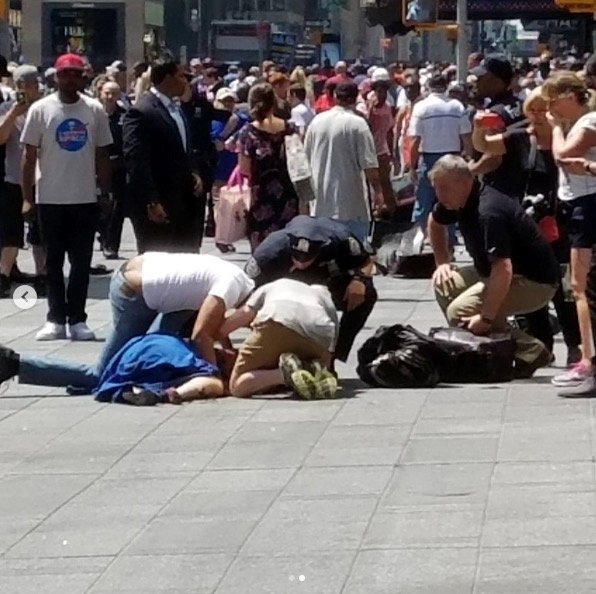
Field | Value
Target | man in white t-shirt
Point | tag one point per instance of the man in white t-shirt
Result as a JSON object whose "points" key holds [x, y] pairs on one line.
{"points": [[66, 138], [12, 237], [302, 114], [341, 151], [439, 126], [151, 285]]}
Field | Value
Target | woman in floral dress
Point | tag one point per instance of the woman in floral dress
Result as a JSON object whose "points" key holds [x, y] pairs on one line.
{"points": [[261, 145]]}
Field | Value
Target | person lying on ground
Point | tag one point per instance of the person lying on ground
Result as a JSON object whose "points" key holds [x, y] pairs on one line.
{"points": [[175, 285]]}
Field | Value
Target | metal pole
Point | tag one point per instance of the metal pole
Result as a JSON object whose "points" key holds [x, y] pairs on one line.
{"points": [[200, 28], [463, 43]]}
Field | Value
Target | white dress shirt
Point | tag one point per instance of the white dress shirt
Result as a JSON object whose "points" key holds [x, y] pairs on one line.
{"points": [[174, 111], [439, 122]]}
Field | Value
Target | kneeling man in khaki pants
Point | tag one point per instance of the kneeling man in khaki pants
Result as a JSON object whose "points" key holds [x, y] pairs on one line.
{"points": [[514, 271]]}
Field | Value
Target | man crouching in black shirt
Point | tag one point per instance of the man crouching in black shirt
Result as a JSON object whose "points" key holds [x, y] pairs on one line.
{"points": [[514, 271]]}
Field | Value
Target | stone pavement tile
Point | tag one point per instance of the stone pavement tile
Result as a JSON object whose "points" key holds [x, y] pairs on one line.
{"points": [[353, 445], [382, 407], [432, 526], [195, 430], [520, 532], [56, 419], [450, 449], [141, 464], [303, 573], [564, 410], [238, 456], [297, 410], [541, 501], [513, 473], [85, 530], [50, 576], [241, 505], [428, 571], [289, 434], [467, 394], [191, 535], [155, 491], [218, 481], [14, 529], [548, 441], [299, 526], [198, 574], [436, 409], [437, 485], [36, 496], [13, 405], [533, 394], [457, 427], [72, 457], [336, 482], [548, 570]]}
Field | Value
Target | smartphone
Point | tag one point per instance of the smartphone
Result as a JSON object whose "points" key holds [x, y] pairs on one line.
{"points": [[492, 121]]}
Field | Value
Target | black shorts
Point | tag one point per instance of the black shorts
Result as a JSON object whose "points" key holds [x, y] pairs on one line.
{"points": [[12, 225], [582, 222]]}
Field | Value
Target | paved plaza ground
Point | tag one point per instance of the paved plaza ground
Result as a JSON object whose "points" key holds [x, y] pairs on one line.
{"points": [[484, 489]]}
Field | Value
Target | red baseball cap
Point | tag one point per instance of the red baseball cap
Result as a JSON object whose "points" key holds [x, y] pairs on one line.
{"points": [[69, 62]]}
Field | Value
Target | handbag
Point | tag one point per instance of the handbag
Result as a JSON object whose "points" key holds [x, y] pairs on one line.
{"points": [[475, 359], [296, 158], [231, 209]]}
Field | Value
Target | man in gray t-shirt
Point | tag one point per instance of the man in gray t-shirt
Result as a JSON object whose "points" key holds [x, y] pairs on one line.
{"points": [[342, 155]]}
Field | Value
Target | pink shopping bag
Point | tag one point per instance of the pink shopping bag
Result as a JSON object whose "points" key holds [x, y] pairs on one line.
{"points": [[231, 209]]}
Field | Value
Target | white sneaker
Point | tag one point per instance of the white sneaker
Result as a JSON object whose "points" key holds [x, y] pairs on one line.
{"points": [[81, 332], [51, 331]]}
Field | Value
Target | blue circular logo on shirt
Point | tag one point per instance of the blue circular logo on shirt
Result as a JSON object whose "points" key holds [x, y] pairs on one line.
{"points": [[72, 135]]}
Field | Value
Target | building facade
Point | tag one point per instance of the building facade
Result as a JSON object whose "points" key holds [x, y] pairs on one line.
{"points": [[102, 30]]}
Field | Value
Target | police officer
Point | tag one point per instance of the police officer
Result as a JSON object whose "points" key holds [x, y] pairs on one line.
{"points": [[321, 251]]}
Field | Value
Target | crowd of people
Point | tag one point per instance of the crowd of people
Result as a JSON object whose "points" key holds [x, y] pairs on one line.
{"points": [[505, 159]]}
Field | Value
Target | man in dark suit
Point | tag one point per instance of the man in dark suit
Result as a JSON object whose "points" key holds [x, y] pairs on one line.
{"points": [[167, 209]]}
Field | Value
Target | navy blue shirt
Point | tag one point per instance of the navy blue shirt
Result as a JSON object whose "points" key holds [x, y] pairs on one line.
{"points": [[341, 255]]}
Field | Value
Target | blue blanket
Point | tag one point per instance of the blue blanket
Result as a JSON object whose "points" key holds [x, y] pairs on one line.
{"points": [[152, 362]]}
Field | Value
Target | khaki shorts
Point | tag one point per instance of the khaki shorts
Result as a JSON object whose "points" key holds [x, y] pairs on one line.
{"points": [[267, 342]]}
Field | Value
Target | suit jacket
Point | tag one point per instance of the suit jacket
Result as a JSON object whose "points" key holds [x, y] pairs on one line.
{"points": [[159, 168]]}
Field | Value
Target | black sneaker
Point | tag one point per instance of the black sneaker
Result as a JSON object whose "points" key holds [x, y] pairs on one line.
{"points": [[525, 370], [9, 364], [142, 398], [574, 355], [110, 254], [4, 286]]}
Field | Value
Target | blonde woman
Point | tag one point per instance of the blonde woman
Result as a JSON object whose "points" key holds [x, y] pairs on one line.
{"points": [[299, 77], [574, 136]]}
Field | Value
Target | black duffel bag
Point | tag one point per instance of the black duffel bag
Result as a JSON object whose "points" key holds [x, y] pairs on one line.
{"points": [[400, 357], [474, 359]]}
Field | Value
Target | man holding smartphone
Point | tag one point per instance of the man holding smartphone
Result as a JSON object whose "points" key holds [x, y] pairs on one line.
{"points": [[12, 120]]}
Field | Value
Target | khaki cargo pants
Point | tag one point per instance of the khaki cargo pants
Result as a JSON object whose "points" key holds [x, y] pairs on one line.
{"points": [[465, 298]]}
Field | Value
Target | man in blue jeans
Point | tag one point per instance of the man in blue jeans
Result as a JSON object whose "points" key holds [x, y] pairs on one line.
{"points": [[145, 287], [439, 126]]}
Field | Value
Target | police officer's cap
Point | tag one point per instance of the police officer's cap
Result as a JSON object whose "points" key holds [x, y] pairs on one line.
{"points": [[304, 249]]}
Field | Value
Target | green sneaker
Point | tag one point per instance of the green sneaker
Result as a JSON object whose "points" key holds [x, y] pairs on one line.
{"points": [[309, 387], [288, 364]]}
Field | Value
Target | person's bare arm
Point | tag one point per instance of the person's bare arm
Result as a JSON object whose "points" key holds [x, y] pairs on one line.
{"points": [[439, 241], [8, 122], [206, 329], [103, 168], [241, 318], [486, 164], [245, 165], [415, 155], [497, 287], [28, 183], [576, 146], [372, 176]]}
